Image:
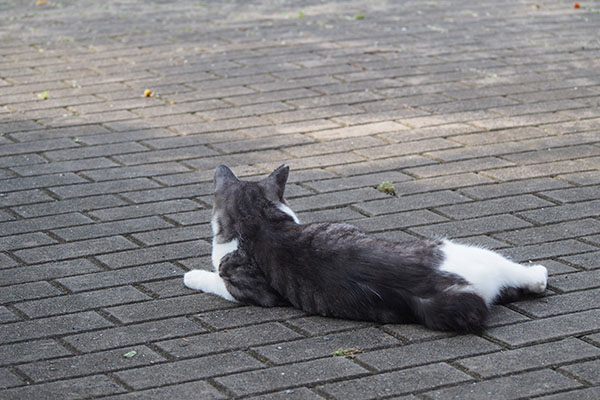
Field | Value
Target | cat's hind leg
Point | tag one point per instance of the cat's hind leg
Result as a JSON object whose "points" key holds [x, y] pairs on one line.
{"points": [[489, 273], [208, 282]]}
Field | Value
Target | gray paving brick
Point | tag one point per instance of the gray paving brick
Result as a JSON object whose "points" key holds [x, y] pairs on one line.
{"points": [[411, 202], [336, 199], [512, 387], [397, 221], [299, 374], [199, 389], [564, 212], [538, 356], [79, 388], [189, 370], [579, 394], [547, 233], [371, 180], [25, 240], [168, 307], [512, 188], [547, 250], [8, 379], [41, 181], [586, 260], [27, 291], [39, 272], [576, 281], [228, 340], [247, 315], [495, 206], [427, 352], [66, 206], [31, 351], [155, 254], [80, 302], [587, 371], [475, 226], [545, 329], [95, 280], [7, 316], [325, 346], [397, 383], [97, 188], [292, 394], [144, 210], [34, 329], [87, 364], [574, 194], [131, 335], [99, 229], [316, 325], [560, 304], [74, 249]]}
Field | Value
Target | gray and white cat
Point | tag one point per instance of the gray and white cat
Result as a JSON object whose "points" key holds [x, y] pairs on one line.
{"points": [[262, 255]]}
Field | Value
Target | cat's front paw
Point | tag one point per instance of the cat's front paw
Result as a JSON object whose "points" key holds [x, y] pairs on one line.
{"points": [[195, 278], [539, 278]]}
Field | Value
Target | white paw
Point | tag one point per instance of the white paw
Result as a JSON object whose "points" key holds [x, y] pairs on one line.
{"points": [[195, 278], [539, 278]]}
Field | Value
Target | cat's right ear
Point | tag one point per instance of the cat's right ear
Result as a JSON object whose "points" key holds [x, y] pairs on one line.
{"points": [[224, 177]]}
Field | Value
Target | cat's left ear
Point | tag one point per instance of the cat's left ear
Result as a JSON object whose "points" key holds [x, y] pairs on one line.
{"points": [[224, 177], [274, 184]]}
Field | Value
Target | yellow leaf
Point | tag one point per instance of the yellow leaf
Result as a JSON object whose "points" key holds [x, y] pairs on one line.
{"points": [[42, 2]]}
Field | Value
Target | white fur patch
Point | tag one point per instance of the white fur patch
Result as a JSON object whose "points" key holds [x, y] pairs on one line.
{"points": [[208, 282], [289, 212], [220, 250], [489, 272]]}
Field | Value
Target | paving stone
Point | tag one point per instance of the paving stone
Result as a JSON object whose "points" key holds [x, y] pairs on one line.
{"points": [[494, 206], [189, 370], [426, 352], [8, 379], [133, 334], [552, 232], [80, 302], [96, 188], [66, 206], [291, 394], [396, 383], [74, 249], [475, 226], [34, 329], [576, 281], [316, 325], [87, 364], [587, 260], [198, 389], [546, 250], [511, 188], [564, 212], [512, 387], [335, 199], [400, 220], [143, 210], [371, 180], [155, 254], [538, 356], [7, 316], [579, 394], [44, 271], [299, 374], [228, 340], [168, 307], [31, 351], [246, 315], [79, 388], [100, 229], [26, 291], [545, 329], [325, 346]]}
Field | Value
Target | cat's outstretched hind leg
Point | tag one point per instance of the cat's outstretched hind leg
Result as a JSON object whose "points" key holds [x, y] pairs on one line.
{"points": [[538, 278]]}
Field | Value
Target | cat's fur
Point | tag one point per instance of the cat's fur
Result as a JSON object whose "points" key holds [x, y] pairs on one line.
{"points": [[262, 255]]}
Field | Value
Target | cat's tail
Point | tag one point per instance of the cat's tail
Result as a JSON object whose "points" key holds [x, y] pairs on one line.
{"points": [[464, 312]]}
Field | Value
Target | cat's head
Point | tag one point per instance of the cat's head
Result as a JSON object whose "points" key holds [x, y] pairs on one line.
{"points": [[238, 204]]}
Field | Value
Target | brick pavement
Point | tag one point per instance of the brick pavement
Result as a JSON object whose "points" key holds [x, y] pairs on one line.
{"points": [[485, 115]]}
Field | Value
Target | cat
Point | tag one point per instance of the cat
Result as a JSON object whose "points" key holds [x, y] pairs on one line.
{"points": [[262, 255]]}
